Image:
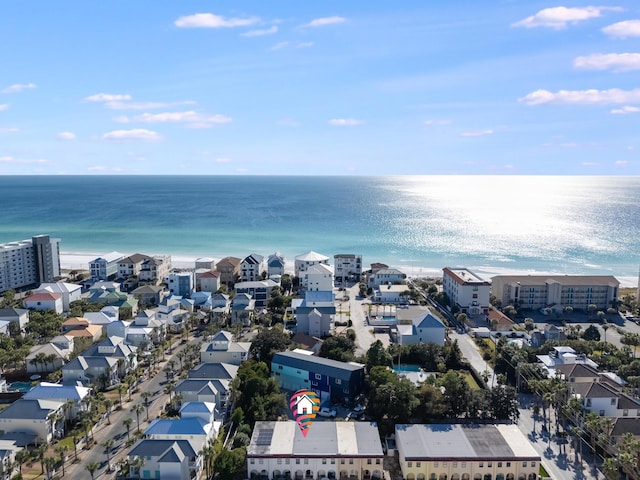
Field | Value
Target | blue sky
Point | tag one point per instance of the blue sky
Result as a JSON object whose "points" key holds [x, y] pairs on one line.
{"points": [[333, 88]]}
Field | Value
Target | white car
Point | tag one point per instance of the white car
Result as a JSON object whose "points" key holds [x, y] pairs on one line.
{"points": [[327, 412]]}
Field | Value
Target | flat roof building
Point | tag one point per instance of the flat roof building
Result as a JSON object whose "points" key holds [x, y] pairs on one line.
{"points": [[330, 449], [29, 262], [465, 452]]}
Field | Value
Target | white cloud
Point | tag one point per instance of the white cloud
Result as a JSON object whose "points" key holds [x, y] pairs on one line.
{"points": [[280, 45], [628, 28], [430, 123], [560, 17], [209, 20], [618, 62], [192, 118], [108, 97], [66, 136], [222, 160], [622, 163], [627, 109], [9, 129], [582, 97], [140, 134], [96, 168], [18, 87], [590, 164], [9, 159], [345, 122], [477, 133], [321, 22], [260, 33], [3, 106], [119, 105]]}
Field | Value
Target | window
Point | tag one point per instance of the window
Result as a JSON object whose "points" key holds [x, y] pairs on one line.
{"points": [[342, 461], [324, 461], [475, 295], [297, 461], [287, 461], [333, 461], [508, 464], [260, 461], [318, 376], [613, 401], [351, 461], [524, 464], [533, 464], [280, 367], [368, 461], [489, 464], [454, 464], [435, 464], [377, 461], [338, 381], [252, 461], [279, 461], [444, 464], [463, 464], [499, 464], [409, 464], [306, 461], [418, 464], [625, 413], [481, 464]]}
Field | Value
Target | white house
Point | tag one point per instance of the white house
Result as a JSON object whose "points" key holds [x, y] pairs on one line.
{"points": [[347, 268], [251, 268], [70, 292], [306, 260], [208, 281], [222, 349], [44, 301], [181, 283], [20, 316], [386, 276], [319, 278], [77, 396], [46, 358], [35, 417], [314, 314], [390, 294], [466, 290]]}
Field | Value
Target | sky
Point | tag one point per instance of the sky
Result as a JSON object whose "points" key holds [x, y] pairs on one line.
{"points": [[320, 88]]}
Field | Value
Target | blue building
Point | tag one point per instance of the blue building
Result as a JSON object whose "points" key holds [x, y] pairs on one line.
{"points": [[331, 379]]}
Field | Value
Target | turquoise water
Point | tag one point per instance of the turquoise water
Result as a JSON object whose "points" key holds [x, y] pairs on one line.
{"points": [[572, 225], [20, 386]]}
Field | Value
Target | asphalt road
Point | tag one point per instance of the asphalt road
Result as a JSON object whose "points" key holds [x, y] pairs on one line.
{"points": [[117, 431]]}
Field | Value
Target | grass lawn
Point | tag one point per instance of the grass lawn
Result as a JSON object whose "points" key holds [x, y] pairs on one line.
{"points": [[470, 380]]}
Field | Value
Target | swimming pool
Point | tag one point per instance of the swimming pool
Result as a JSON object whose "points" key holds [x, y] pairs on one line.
{"points": [[20, 386], [406, 368]]}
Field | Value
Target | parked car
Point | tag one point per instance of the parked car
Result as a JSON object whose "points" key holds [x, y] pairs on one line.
{"points": [[327, 412]]}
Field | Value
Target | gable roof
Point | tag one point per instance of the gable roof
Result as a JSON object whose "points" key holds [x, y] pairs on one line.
{"points": [[311, 256], [149, 447], [177, 426], [37, 409], [12, 312], [43, 297], [53, 391], [224, 371], [135, 258]]}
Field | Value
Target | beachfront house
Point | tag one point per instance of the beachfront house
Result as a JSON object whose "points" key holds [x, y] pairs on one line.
{"points": [[303, 262], [319, 278], [386, 276], [208, 281], [275, 265], [251, 268], [180, 283], [104, 267], [347, 268], [229, 270], [153, 270]]}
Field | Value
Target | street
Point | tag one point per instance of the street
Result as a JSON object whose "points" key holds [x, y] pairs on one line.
{"points": [[117, 430]]}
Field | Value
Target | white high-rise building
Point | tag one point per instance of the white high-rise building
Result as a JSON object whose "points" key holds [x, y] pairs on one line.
{"points": [[29, 262]]}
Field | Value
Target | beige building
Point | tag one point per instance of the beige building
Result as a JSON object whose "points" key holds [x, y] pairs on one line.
{"points": [[465, 452], [559, 291], [345, 450]]}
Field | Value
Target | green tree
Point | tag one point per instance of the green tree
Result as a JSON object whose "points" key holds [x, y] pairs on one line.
{"points": [[504, 403], [228, 463], [268, 342], [456, 393], [92, 467], [340, 348], [127, 422], [591, 333], [377, 355]]}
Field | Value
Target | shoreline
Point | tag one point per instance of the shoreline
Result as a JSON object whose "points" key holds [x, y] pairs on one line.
{"points": [[80, 261]]}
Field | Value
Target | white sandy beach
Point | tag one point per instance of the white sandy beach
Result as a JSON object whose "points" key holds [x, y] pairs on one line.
{"points": [[80, 261]]}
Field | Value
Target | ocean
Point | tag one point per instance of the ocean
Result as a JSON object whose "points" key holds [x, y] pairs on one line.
{"points": [[491, 224]]}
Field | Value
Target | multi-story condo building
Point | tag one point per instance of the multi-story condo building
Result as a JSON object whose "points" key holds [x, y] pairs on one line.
{"points": [[155, 269], [347, 267], [345, 450], [306, 260], [130, 266], [466, 290], [251, 268], [104, 267], [29, 262], [542, 291], [465, 452]]}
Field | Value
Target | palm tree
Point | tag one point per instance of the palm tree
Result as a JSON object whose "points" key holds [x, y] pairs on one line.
{"points": [[108, 444], [122, 388], [61, 450], [169, 389], [21, 457], [92, 467], [50, 463], [145, 397], [127, 422], [108, 403], [605, 327], [137, 408], [40, 451]]}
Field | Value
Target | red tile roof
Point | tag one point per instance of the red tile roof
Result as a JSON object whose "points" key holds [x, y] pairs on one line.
{"points": [[43, 297]]}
